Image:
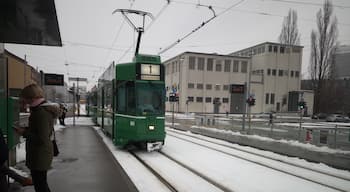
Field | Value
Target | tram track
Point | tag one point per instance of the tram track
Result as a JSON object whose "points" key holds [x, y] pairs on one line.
{"points": [[171, 186], [261, 156], [154, 172]]}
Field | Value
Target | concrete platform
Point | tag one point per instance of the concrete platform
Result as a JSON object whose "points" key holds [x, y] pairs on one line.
{"points": [[84, 165]]}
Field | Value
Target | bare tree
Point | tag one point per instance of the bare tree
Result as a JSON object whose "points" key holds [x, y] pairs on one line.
{"points": [[289, 34], [323, 44]]}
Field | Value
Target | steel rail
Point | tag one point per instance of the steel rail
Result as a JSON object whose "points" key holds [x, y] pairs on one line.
{"points": [[265, 156], [262, 164]]}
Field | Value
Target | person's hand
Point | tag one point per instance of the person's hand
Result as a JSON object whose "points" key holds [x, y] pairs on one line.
{"points": [[19, 130]]}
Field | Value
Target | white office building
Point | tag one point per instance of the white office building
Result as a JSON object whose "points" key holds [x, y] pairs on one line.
{"points": [[214, 83]]}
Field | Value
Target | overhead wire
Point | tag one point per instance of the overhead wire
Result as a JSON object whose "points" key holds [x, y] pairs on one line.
{"points": [[147, 27], [201, 25]]}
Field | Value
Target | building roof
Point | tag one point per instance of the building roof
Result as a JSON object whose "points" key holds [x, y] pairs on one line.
{"points": [[269, 43], [206, 54], [14, 56]]}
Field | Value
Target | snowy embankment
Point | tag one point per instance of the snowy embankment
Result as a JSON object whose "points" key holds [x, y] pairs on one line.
{"points": [[234, 173]]}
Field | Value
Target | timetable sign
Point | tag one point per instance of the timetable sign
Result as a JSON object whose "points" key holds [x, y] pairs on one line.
{"points": [[150, 72]]}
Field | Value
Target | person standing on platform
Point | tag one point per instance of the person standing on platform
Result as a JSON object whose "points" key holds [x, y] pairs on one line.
{"points": [[39, 148], [62, 116]]}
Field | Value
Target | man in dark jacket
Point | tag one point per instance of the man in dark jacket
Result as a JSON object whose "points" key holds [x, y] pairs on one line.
{"points": [[39, 148]]}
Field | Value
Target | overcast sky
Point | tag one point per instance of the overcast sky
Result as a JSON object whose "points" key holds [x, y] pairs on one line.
{"points": [[93, 37]]}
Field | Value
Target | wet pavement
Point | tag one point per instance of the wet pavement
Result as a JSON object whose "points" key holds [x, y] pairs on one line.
{"points": [[84, 165]]}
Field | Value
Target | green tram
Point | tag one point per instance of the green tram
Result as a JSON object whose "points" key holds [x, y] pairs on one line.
{"points": [[129, 103]]}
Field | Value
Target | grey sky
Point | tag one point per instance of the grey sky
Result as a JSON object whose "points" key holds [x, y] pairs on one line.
{"points": [[93, 37]]}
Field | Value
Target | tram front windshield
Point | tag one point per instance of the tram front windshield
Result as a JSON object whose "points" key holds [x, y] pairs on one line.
{"points": [[150, 99]]}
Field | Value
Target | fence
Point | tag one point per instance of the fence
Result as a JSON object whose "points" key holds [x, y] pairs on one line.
{"points": [[333, 135]]}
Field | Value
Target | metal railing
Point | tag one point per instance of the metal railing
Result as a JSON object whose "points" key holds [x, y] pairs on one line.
{"points": [[333, 135]]}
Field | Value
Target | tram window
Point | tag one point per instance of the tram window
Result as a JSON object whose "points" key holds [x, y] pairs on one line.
{"points": [[121, 99], [131, 99], [150, 98]]}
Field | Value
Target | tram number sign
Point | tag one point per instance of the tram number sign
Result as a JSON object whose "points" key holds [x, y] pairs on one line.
{"points": [[150, 72], [53, 79]]}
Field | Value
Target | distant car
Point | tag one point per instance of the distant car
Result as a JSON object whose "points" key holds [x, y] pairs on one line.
{"points": [[337, 118], [319, 116]]}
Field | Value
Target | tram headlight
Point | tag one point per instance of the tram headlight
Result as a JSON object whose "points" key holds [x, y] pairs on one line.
{"points": [[151, 127]]}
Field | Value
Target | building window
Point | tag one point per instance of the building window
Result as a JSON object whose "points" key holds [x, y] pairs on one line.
{"points": [[208, 86], [292, 73], [263, 49], [296, 50], [267, 98], [227, 67], [272, 101], [235, 65], [296, 73], [208, 99], [281, 49], [218, 65], [192, 62], [280, 73], [225, 87], [284, 101], [217, 87], [225, 100], [274, 72], [216, 100], [190, 85], [275, 49], [268, 71], [199, 86], [210, 62], [270, 48], [190, 99], [199, 99], [200, 63], [244, 65]]}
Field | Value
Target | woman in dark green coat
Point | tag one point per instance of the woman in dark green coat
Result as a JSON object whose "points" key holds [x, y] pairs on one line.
{"points": [[39, 149]]}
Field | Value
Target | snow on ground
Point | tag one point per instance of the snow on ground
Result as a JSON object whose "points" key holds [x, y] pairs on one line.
{"points": [[181, 178], [169, 123], [295, 160], [234, 173], [79, 121], [181, 115], [329, 180], [142, 178], [20, 152], [290, 142]]}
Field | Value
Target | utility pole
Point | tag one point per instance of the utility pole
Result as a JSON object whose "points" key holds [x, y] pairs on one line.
{"points": [[74, 104]]}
